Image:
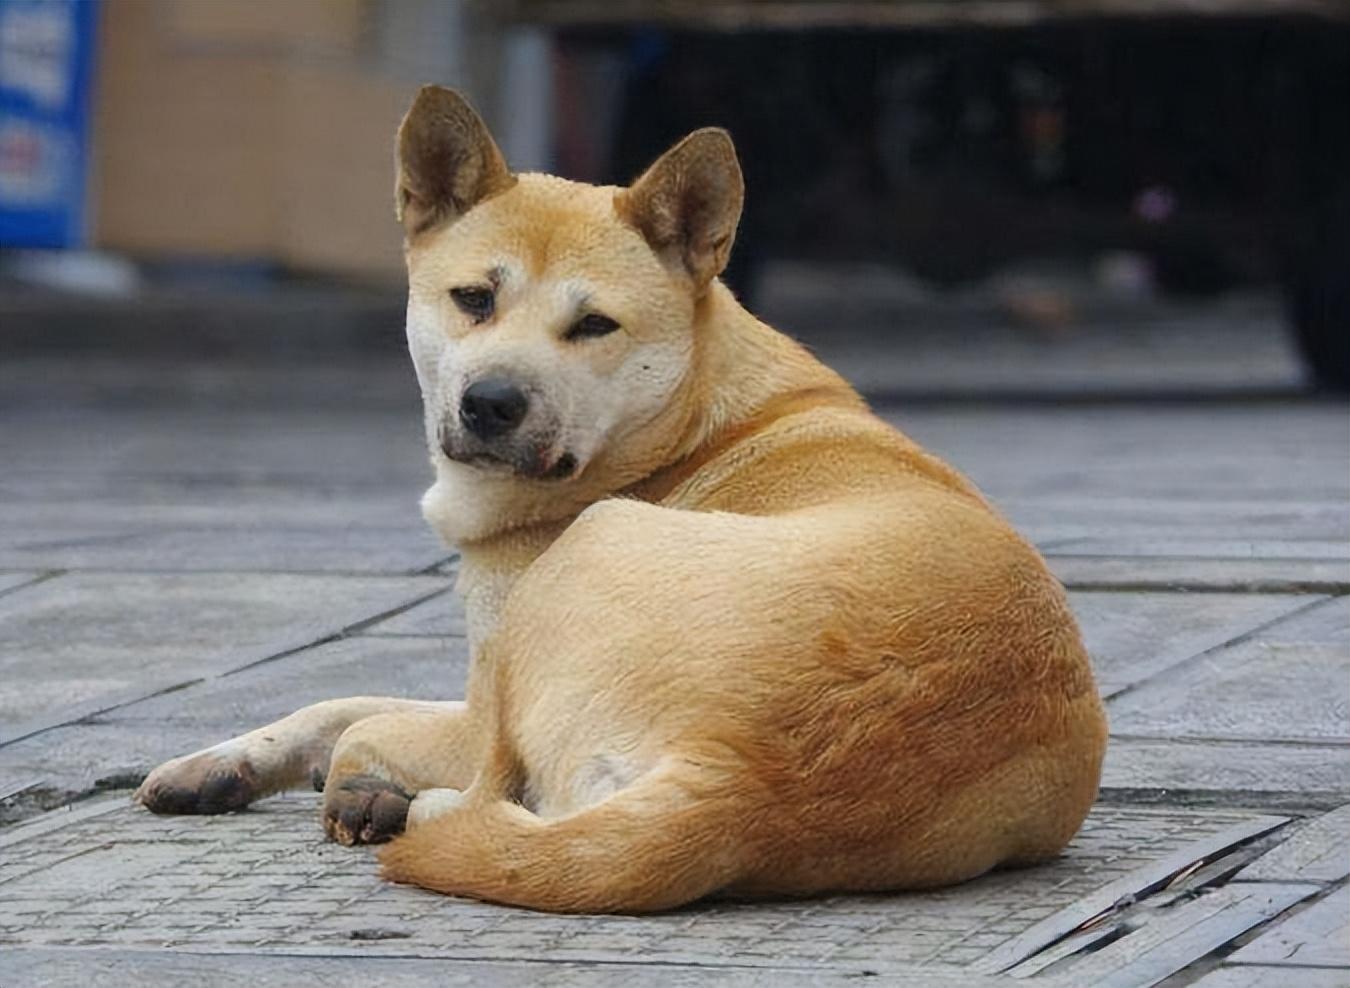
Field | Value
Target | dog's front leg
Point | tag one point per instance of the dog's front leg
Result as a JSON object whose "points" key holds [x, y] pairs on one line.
{"points": [[382, 762], [284, 755]]}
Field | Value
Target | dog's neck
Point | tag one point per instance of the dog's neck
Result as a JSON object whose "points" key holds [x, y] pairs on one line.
{"points": [[746, 376], [742, 365], [743, 375]]}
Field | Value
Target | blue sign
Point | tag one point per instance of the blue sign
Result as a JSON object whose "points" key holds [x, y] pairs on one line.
{"points": [[46, 68]]}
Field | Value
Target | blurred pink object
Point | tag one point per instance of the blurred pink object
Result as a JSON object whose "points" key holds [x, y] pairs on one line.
{"points": [[1155, 203]]}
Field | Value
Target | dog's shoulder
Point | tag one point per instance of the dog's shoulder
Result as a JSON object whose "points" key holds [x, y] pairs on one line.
{"points": [[812, 447]]}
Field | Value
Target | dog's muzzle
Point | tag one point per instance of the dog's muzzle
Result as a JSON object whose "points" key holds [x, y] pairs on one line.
{"points": [[490, 433]]}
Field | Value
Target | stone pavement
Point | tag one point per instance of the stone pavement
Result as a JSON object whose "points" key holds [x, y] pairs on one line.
{"points": [[178, 564]]}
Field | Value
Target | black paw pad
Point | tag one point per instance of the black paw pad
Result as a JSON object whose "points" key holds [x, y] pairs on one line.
{"points": [[364, 809]]}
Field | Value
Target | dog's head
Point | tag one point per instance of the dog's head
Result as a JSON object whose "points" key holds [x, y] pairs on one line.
{"points": [[550, 322]]}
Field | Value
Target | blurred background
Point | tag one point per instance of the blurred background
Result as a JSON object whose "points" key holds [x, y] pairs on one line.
{"points": [[1048, 198]]}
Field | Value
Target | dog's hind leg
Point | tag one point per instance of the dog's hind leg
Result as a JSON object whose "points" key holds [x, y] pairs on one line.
{"points": [[669, 838], [289, 753]]}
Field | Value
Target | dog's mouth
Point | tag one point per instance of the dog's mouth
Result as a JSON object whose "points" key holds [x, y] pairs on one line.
{"points": [[563, 468], [535, 464]]}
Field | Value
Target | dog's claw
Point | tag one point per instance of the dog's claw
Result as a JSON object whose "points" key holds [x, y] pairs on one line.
{"points": [[364, 809]]}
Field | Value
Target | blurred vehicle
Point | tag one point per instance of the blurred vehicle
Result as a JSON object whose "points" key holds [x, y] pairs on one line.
{"points": [[1186, 146]]}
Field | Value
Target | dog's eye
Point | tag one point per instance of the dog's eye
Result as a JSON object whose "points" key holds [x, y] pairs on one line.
{"points": [[474, 301], [592, 325]]}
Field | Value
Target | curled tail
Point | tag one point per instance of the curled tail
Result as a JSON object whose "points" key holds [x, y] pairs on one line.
{"points": [[654, 845]]}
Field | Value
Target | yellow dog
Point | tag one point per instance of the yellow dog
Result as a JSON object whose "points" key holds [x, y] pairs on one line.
{"points": [[731, 632]]}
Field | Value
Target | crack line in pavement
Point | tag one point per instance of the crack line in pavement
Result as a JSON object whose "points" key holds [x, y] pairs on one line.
{"points": [[436, 568], [1201, 739], [1297, 801], [346, 631], [1123, 892], [1329, 588], [92, 708], [42, 577], [1244, 637]]}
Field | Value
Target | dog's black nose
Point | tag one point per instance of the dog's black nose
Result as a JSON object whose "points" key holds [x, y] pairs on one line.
{"points": [[492, 407]]}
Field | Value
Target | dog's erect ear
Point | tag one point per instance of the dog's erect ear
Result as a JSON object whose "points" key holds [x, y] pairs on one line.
{"points": [[687, 204], [447, 161]]}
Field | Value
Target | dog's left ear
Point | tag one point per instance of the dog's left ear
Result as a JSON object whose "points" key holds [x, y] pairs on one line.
{"points": [[447, 161], [688, 203]]}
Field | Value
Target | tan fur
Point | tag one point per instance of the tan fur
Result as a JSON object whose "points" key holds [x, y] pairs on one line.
{"points": [[759, 643]]}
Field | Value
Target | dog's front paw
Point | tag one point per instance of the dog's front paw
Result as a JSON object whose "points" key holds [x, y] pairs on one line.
{"points": [[207, 782], [364, 809]]}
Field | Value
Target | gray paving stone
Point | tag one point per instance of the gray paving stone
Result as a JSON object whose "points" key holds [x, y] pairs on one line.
{"points": [[1319, 851], [84, 642], [12, 581], [1264, 977], [1133, 636], [295, 489], [1182, 934], [1295, 452], [95, 502], [40, 775], [968, 347], [443, 616], [298, 446], [1121, 520], [1318, 771], [1326, 550], [1110, 897], [430, 667], [1318, 936], [105, 968], [1102, 931], [133, 739], [264, 882], [295, 548], [1287, 683], [1153, 573]]}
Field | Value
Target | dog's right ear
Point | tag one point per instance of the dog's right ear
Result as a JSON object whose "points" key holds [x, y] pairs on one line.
{"points": [[447, 161]]}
